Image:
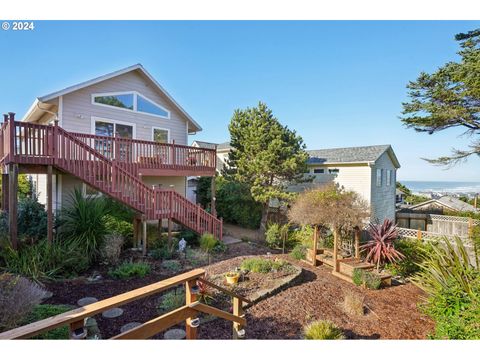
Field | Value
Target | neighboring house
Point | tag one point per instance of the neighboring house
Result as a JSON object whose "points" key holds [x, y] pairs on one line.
{"points": [[399, 196], [367, 170], [440, 205], [222, 151], [128, 103]]}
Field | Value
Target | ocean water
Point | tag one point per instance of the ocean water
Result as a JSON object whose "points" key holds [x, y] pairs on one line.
{"points": [[443, 186]]}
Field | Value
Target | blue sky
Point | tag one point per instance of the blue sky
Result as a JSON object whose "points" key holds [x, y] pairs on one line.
{"points": [[337, 83]]}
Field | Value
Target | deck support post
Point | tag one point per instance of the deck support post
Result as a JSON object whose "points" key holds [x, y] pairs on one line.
{"points": [[13, 204], [49, 204], [315, 245], [5, 192], [144, 237], [357, 242], [170, 225], [335, 250], [237, 311], [190, 298], [213, 205]]}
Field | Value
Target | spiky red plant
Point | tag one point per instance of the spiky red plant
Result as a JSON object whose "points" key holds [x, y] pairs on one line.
{"points": [[381, 248]]}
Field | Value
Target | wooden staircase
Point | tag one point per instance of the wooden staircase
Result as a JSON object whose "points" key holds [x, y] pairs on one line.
{"points": [[33, 144]]}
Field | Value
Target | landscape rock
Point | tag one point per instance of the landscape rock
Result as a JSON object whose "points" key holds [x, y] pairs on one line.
{"points": [[112, 313], [175, 334]]}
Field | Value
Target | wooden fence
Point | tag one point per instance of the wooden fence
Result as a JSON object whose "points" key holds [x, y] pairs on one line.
{"points": [[75, 319]]}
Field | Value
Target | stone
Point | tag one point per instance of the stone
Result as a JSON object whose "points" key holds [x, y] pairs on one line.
{"points": [[112, 313], [93, 332], [129, 326], [47, 295], [86, 301], [175, 334]]}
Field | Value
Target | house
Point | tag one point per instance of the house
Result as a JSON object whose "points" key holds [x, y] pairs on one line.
{"points": [[370, 171], [121, 134], [440, 205], [222, 151], [399, 196]]}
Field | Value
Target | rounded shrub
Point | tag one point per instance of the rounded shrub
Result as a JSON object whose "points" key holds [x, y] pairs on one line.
{"points": [[323, 330]]}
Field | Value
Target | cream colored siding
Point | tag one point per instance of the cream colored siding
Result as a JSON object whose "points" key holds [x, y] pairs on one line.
{"points": [[167, 182], [383, 197], [78, 109], [352, 178]]}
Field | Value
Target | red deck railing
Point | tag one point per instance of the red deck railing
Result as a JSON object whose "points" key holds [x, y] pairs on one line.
{"points": [[35, 144]]}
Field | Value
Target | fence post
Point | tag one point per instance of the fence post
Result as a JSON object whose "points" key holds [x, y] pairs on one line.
{"points": [[470, 227], [238, 331], [314, 247], [419, 234], [198, 217], [357, 242], [191, 297]]}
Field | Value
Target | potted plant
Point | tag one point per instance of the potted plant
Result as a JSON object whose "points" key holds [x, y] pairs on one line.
{"points": [[232, 277]]}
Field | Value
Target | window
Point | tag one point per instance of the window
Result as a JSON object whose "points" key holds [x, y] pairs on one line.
{"points": [[146, 106], [389, 177], [161, 135], [333, 171], [379, 177], [130, 101], [318, 171], [124, 101], [113, 129]]}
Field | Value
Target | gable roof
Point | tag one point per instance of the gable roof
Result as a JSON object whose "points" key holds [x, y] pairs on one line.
{"points": [[351, 155], [450, 202], [203, 144], [138, 67]]}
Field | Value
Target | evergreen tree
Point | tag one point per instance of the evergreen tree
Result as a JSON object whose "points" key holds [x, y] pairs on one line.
{"points": [[265, 155], [449, 98]]}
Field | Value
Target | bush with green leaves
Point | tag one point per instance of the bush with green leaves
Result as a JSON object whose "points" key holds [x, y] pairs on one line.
{"points": [[164, 250], [299, 252], [452, 284], [368, 279], [43, 311], [207, 244], [414, 251], [323, 330], [43, 260], [171, 300], [18, 297], [172, 265], [190, 237], [261, 265], [303, 235], [115, 225], [130, 269], [82, 222]]}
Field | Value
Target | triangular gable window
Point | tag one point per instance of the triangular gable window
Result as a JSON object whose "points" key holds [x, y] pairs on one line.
{"points": [[147, 106]]}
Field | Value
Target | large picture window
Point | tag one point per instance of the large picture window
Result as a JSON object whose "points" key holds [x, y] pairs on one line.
{"points": [[130, 101]]}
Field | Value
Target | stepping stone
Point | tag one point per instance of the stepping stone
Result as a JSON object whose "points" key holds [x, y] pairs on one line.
{"points": [[175, 334], [86, 301], [129, 326], [112, 313]]}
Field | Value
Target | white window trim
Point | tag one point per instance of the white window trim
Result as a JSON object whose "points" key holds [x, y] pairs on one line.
{"points": [[112, 121], [160, 128], [135, 95]]}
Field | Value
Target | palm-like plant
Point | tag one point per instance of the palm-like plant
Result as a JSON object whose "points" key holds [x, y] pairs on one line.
{"points": [[380, 248]]}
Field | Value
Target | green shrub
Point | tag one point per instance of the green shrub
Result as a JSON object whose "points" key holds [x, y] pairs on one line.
{"points": [[18, 297], [171, 300], [83, 222], [130, 269], [43, 311], [369, 279], [358, 276], [45, 261], [304, 236], [220, 247], [414, 251], [323, 330], [190, 237], [32, 220], [165, 251], [299, 252], [260, 265], [452, 284], [372, 281], [208, 243], [118, 226], [172, 265], [273, 235]]}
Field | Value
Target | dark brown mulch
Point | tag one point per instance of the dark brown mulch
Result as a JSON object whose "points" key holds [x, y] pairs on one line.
{"points": [[391, 312], [318, 294], [70, 291]]}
